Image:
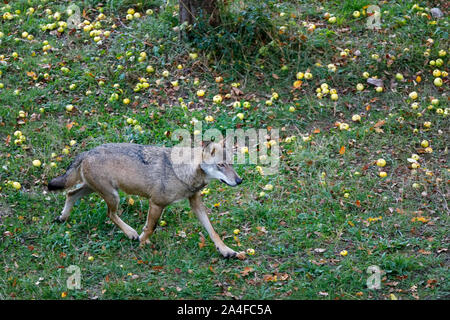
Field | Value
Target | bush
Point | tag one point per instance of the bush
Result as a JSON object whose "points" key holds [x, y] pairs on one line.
{"points": [[247, 32]]}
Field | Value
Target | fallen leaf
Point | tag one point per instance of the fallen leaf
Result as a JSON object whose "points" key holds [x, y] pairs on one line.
{"points": [[201, 244], [378, 130], [32, 75], [237, 91], [283, 276], [380, 123], [246, 271], [375, 82], [269, 277]]}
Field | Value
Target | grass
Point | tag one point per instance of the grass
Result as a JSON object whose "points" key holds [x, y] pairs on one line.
{"points": [[327, 197]]}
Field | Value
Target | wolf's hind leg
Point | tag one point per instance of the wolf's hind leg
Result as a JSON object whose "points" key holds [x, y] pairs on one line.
{"points": [[112, 199], [71, 198]]}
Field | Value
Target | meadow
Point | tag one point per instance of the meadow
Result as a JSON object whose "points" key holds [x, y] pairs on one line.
{"points": [[363, 177]]}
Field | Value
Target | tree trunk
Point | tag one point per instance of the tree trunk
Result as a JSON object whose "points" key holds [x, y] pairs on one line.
{"points": [[191, 9]]}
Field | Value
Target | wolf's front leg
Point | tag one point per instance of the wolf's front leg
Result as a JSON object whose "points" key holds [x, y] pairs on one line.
{"points": [[154, 212], [201, 212]]}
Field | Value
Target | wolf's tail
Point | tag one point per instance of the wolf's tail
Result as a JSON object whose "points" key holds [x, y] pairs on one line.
{"points": [[70, 178]]}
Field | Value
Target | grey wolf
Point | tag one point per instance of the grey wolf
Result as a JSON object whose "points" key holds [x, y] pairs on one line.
{"points": [[146, 171]]}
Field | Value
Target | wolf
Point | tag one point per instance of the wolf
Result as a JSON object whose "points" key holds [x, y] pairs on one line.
{"points": [[147, 171]]}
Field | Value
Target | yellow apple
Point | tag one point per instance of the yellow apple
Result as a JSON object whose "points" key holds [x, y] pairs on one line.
{"points": [[217, 99], [36, 163], [437, 82], [381, 162], [16, 185], [424, 143], [413, 95]]}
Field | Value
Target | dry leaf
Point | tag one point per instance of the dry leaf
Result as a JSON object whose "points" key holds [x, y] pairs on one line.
{"points": [[246, 271], [283, 276], [380, 123], [375, 82], [201, 244], [70, 125], [269, 277], [32, 75], [237, 91]]}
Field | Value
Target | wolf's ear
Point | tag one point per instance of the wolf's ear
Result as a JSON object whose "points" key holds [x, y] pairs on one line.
{"points": [[206, 144], [209, 148]]}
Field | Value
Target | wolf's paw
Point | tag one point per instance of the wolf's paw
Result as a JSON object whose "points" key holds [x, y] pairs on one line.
{"points": [[59, 219], [227, 252], [143, 243], [143, 240], [133, 235], [241, 255]]}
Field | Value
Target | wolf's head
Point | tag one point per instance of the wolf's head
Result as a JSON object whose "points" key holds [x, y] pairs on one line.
{"points": [[215, 165]]}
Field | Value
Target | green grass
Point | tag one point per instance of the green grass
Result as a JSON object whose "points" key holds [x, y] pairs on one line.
{"points": [[324, 201]]}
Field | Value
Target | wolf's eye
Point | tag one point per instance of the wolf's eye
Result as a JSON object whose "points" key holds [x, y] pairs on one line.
{"points": [[221, 165]]}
